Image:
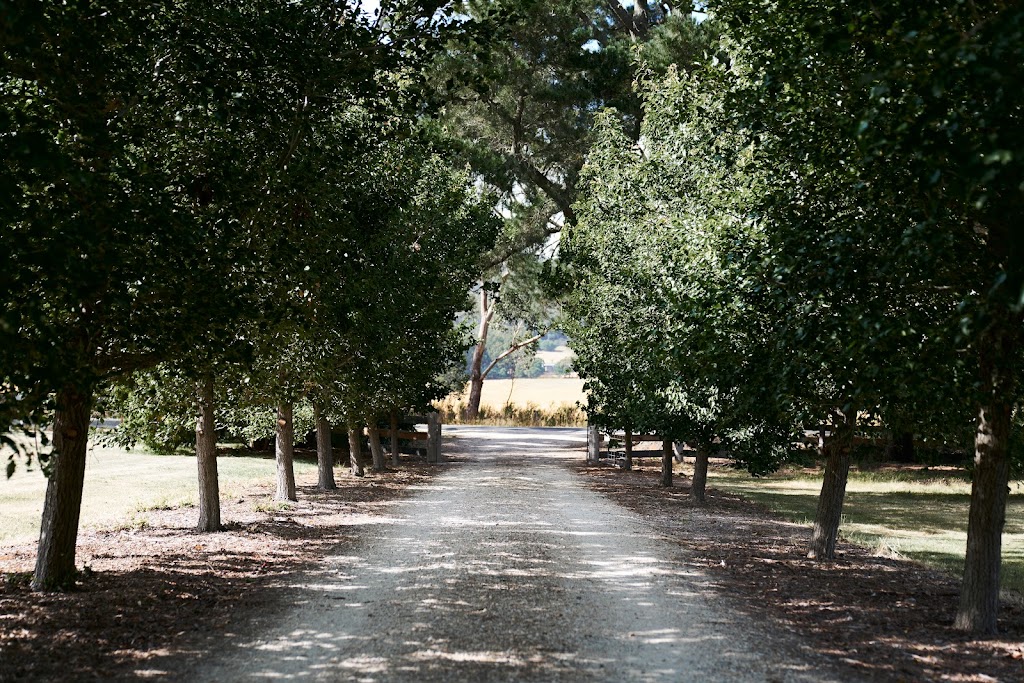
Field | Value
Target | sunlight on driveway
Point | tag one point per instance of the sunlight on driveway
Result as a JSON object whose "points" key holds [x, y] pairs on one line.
{"points": [[503, 569]]}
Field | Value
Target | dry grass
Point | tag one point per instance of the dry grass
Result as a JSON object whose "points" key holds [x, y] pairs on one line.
{"points": [[539, 402], [515, 416], [543, 392], [544, 401]]}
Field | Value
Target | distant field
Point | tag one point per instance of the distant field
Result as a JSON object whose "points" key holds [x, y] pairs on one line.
{"points": [[121, 485], [543, 392]]}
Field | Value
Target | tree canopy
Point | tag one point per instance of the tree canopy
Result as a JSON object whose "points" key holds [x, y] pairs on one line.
{"points": [[820, 214], [208, 189]]}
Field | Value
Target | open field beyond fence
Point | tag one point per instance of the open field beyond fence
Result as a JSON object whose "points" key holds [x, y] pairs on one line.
{"points": [[543, 392], [542, 401], [910, 512]]}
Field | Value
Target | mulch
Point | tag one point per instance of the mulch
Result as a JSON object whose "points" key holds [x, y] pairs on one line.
{"points": [[885, 618]]}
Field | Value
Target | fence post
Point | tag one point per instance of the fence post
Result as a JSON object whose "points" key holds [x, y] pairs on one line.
{"points": [[434, 437], [593, 443]]}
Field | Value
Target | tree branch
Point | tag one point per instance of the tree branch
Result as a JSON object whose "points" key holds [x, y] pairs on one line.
{"points": [[509, 351]]}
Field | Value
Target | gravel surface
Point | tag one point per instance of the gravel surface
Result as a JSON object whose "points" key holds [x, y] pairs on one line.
{"points": [[506, 568]]}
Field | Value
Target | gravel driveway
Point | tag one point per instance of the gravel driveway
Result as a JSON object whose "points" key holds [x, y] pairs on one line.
{"points": [[505, 568]]}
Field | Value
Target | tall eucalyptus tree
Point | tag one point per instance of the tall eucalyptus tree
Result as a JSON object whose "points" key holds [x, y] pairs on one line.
{"points": [[521, 104]]}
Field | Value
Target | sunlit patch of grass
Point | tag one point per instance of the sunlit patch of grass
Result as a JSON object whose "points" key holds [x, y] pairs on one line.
{"points": [[134, 523], [913, 513], [167, 503], [121, 483], [273, 506]]}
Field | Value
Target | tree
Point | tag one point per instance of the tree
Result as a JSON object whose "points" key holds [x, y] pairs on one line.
{"points": [[665, 336], [423, 229], [521, 106], [496, 352], [964, 149], [108, 225], [913, 101], [101, 254]]}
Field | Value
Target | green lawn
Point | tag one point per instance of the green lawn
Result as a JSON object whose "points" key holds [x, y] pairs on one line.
{"points": [[918, 515], [119, 484]]}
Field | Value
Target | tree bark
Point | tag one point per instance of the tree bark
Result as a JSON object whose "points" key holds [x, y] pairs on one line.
{"points": [[979, 596], [285, 453], [373, 434], [355, 450], [206, 459], [666, 462], [476, 376], [700, 472], [393, 434], [833, 490], [324, 451], [641, 18], [478, 373], [55, 560], [628, 465]]}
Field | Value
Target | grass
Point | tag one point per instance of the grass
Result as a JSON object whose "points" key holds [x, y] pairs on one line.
{"points": [[515, 416], [909, 513], [273, 506], [543, 392], [120, 486], [538, 402]]}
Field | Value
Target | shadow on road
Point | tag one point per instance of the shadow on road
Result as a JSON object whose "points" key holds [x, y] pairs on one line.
{"points": [[505, 570]]}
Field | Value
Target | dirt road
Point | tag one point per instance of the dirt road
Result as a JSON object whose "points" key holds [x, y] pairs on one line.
{"points": [[506, 568]]}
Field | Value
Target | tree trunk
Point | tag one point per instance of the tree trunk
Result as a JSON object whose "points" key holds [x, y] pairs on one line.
{"points": [[666, 462], [324, 451], [55, 560], [285, 453], [206, 459], [355, 450], [476, 377], [393, 432], [476, 385], [833, 490], [628, 465], [700, 472], [979, 596], [373, 433]]}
